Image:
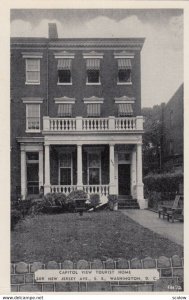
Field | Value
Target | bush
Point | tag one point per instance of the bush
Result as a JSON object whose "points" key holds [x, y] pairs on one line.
{"points": [[160, 187], [94, 200], [73, 197], [16, 215], [50, 203], [112, 200]]}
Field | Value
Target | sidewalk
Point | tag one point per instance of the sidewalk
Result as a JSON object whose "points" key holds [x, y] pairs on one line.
{"points": [[148, 219]]}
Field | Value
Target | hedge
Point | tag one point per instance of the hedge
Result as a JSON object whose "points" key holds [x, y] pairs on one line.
{"points": [[160, 187]]}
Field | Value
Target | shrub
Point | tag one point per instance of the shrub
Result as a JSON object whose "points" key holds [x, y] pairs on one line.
{"points": [[16, 215], [50, 203], [112, 200], [73, 197], [159, 187], [94, 200]]}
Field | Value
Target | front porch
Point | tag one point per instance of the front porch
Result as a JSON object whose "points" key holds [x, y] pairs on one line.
{"points": [[104, 168]]}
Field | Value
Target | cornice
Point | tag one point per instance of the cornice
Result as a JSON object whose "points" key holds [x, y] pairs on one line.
{"points": [[65, 100], [124, 99], [93, 99]]}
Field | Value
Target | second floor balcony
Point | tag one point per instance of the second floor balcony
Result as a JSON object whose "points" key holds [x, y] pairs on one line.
{"points": [[80, 124]]}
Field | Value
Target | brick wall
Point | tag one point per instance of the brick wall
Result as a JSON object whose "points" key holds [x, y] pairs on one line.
{"points": [[170, 269]]}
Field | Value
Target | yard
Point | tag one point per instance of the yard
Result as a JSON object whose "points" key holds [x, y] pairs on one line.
{"points": [[102, 235]]}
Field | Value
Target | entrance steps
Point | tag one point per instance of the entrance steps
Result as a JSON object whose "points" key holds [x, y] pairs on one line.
{"points": [[127, 202]]}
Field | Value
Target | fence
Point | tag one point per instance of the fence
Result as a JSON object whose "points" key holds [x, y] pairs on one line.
{"points": [[170, 270]]}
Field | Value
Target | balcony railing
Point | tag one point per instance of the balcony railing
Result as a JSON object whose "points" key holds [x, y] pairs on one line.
{"points": [[102, 190], [92, 124]]}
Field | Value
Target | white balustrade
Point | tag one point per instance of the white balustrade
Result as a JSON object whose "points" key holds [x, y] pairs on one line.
{"points": [[62, 124], [125, 124], [65, 189], [93, 124], [102, 190]]}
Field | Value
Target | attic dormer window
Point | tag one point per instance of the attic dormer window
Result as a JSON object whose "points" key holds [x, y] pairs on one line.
{"points": [[124, 70]]}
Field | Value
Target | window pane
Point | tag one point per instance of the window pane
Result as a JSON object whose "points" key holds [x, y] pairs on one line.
{"points": [[93, 76], [32, 156], [33, 64], [65, 160], [33, 76], [64, 76], [65, 176], [33, 117], [124, 75], [94, 176], [94, 160]]}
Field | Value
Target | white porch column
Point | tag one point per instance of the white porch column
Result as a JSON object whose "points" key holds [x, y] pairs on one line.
{"points": [[112, 167], [79, 167], [47, 170], [23, 174], [140, 192], [40, 168], [133, 173]]}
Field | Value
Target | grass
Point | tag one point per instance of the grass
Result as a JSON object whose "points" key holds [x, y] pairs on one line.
{"points": [[100, 235]]}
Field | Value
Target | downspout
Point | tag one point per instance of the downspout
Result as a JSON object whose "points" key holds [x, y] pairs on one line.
{"points": [[47, 79]]}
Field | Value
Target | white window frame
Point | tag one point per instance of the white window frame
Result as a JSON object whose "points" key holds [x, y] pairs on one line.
{"points": [[66, 167], [100, 167], [123, 56], [33, 82], [27, 117], [94, 55]]}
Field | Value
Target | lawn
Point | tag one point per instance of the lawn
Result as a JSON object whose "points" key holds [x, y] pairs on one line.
{"points": [[102, 235]]}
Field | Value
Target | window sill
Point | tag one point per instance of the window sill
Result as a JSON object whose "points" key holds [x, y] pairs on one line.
{"points": [[32, 83], [64, 83], [33, 131], [93, 83], [124, 83]]}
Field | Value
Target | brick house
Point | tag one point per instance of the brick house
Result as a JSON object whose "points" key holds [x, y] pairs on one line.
{"points": [[173, 130], [76, 116]]}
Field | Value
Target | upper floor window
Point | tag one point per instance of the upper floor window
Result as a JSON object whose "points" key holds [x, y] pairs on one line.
{"points": [[124, 70], [125, 110], [93, 70], [93, 106], [32, 71], [33, 117], [64, 71], [64, 110]]}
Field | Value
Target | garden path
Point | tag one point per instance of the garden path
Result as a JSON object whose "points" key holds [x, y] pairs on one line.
{"points": [[148, 219]]}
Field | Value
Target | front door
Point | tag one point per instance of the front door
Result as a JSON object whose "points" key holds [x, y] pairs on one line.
{"points": [[124, 179], [33, 178]]}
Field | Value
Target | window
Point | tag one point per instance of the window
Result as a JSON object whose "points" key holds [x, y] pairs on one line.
{"points": [[33, 117], [32, 172], [93, 110], [93, 70], [94, 168], [124, 70], [32, 71], [125, 109], [64, 110], [66, 169], [64, 71]]}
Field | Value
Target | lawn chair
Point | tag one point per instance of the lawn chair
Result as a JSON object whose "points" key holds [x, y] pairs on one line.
{"points": [[166, 210], [177, 213]]}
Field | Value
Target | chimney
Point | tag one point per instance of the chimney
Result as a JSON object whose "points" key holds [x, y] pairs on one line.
{"points": [[53, 34]]}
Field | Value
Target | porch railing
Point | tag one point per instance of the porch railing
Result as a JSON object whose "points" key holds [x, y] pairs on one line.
{"points": [[102, 190], [92, 124]]}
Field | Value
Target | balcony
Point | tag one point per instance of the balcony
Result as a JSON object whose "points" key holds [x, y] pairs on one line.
{"points": [[79, 124]]}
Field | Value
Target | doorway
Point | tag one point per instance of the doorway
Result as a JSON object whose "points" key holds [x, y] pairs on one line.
{"points": [[124, 179]]}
